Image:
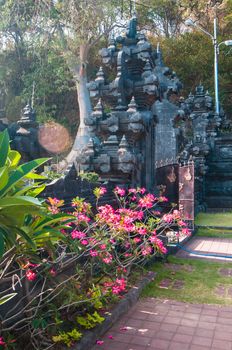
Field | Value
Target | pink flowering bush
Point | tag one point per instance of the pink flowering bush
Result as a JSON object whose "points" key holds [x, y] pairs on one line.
{"points": [[89, 266]]}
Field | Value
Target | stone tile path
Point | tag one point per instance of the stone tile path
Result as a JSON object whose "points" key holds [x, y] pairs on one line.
{"points": [[207, 245], [155, 324]]}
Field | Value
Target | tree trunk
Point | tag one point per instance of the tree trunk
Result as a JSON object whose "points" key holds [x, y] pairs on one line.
{"points": [[85, 109]]}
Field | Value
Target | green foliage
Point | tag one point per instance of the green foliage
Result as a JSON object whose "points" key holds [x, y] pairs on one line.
{"points": [[90, 176], [14, 108], [39, 323], [90, 320], [67, 338], [24, 222]]}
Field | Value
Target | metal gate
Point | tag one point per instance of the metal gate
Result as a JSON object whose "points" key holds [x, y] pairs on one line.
{"points": [[167, 182], [186, 191]]}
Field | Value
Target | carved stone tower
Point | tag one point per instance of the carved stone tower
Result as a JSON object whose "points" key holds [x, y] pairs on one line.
{"points": [[122, 146]]}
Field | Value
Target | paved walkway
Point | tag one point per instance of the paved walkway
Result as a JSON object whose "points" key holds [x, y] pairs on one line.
{"points": [[207, 245], [155, 324]]}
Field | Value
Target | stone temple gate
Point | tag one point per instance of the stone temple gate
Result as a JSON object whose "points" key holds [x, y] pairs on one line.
{"points": [[132, 122]]}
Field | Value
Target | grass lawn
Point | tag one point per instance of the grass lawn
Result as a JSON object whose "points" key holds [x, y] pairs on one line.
{"points": [[214, 219], [202, 282], [213, 232]]}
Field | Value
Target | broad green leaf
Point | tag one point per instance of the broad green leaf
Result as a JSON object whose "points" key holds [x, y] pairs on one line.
{"points": [[14, 157], [21, 172], [17, 201], [4, 147], [53, 220], [3, 177], [49, 233], [36, 191], [7, 297], [8, 234], [34, 176], [24, 190]]}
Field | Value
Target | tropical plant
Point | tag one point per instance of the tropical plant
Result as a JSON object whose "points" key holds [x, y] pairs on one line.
{"points": [[24, 220]]}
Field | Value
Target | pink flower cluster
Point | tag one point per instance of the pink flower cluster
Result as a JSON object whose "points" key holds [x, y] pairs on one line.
{"points": [[30, 275], [2, 342], [117, 287], [147, 201], [54, 204], [120, 191]]}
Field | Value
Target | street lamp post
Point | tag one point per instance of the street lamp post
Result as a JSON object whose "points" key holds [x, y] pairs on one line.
{"points": [[189, 22]]}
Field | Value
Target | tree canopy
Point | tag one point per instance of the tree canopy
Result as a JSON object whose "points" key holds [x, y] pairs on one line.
{"points": [[46, 46]]}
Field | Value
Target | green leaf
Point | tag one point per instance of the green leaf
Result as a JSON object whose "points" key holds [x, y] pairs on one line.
{"points": [[4, 147], [3, 177], [14, 157], [21, 172], [17, 201], [34, 176], [6, 298], [27, 238], [49, 233], [36, 191], [54, 219]]}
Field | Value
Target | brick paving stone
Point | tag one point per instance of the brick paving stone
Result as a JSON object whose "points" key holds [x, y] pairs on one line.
{"points": [[220, 290], [144, 332], [172, 320], [176, 313], [208, 312], [221, 345], [165, 283], [154, 326], [178, 346], [171, 325], [225, 314], [192, 316], [223, 328], [186, 330], [202, 341], [225, 272], [177, 307], [198, 347], [182, 338], [220, 335], [207, 333], [223, 320], [190, 323], [156, 318], [140, 315], [123, 338], [159, 344], [164, 335], [138, 340], [134, 323], [206, 325], [173, 267], [194, 310], [168, 327], [207, 318], [178, 284]]}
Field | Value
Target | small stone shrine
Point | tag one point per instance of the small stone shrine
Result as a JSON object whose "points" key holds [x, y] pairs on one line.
{"points": [[199, 130]]}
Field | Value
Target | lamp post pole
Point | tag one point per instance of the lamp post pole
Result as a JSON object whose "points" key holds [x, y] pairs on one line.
{"points": [[190, 22], [216, 52]]}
